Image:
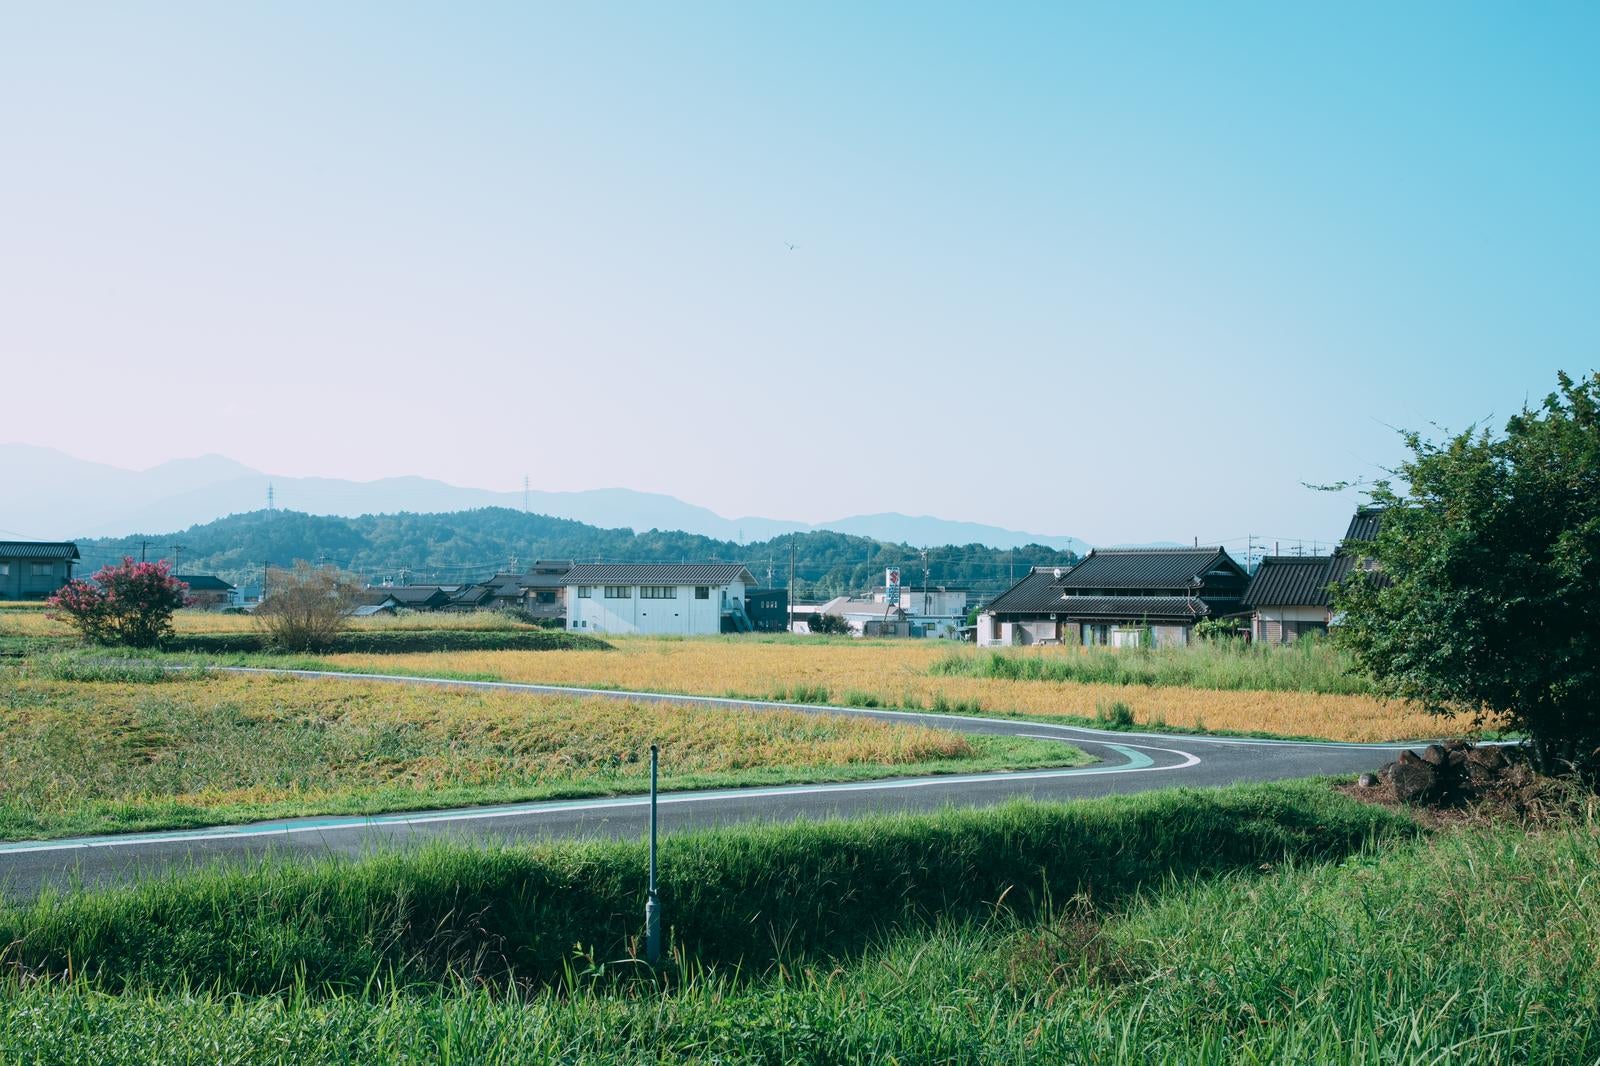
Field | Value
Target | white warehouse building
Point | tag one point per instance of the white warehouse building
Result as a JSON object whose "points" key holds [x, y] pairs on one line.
{"points": [[682, 598]]}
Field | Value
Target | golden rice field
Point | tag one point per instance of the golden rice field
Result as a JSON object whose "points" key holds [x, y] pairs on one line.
{"points": [[896, 673], [96, 756]]}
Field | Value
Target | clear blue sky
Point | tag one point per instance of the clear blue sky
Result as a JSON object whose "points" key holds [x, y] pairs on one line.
{"points": [[1115, 271]]}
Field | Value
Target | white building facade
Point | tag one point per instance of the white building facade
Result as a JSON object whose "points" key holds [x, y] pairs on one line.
{"points": [[682, 599]]}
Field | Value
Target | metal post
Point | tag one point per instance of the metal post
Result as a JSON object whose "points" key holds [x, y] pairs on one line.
{"points": [[652, 905]]}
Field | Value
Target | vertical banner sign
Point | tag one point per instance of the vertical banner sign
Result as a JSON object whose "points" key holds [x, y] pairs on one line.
{"points": [[891, 586]]}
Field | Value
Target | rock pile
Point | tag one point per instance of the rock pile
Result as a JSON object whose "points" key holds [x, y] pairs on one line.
{"points": [[1452, 773]]}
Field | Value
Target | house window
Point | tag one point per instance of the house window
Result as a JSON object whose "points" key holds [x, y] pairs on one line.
{"points": [[44, 569], [583, 592], [5, 569], [619, 592], [657, 592], [702, 592]]}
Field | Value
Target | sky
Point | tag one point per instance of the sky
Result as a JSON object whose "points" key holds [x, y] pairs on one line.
{"points": [[1125, 272]]}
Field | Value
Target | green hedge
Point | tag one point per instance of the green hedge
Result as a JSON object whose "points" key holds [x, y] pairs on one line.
{"points": [[399, 641], [747, 896]]}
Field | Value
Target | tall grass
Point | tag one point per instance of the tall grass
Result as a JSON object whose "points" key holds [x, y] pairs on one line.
{"points": [[1306, 937], [1305, 666], [750, 897]]}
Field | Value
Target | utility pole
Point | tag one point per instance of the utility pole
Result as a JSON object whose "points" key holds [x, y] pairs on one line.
{"points": [[924, 582], [791, 582], [143, 544], [652, 903], [177, 550]]}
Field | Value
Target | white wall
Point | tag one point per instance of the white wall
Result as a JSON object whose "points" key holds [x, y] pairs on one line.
{"points": [[682, 615]]}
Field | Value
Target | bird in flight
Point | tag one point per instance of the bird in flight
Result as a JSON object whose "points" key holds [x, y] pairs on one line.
{"points": [[789, 246]]}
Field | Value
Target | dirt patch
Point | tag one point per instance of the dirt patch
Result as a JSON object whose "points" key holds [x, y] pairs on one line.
{"points": [[1462, 783]]}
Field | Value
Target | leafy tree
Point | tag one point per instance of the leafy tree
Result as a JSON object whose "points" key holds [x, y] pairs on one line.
{"points": [[125, 603], [1214, 629], [1487, 599], [471, 545], [306, 608], [828, 624]]}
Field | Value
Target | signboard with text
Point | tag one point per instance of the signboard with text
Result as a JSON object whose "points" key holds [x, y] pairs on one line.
{"points": [[891, 586]]}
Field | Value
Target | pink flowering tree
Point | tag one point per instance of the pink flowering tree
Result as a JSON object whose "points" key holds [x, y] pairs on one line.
{"points": [[127, 603]]}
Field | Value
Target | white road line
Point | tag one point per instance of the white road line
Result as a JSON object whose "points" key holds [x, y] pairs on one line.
{"points": [[270, 831]]}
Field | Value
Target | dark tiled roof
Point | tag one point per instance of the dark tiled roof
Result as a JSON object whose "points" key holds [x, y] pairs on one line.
{"points": [[410, 595], [1289, 581], [512, 584], [1146, 568], [1032, 595], [1364, 525], [657, 574], [38, 549], [471, 595], [204, 582], [1133, 608]]}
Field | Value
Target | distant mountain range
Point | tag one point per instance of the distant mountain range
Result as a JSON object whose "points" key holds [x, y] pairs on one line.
{"points": [[51, 495], [465, 546]]}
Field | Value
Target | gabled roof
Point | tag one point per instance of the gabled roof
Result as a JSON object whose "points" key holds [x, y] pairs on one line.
{"points": [[1134, 608], [513, 584], [657, 574], [412, 595], [1032, 595], [1364, 524], [1290, 581], [1147, 568], [204, 582], [38, 549], [471, 595], [845, 607]]}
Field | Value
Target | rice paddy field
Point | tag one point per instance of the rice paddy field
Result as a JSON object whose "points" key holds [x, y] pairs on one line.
{"points": [[1188, 688], [101, 747], [1306, 690]]}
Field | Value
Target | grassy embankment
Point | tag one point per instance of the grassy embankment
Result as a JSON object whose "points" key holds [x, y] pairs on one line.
{"points": [[1161, 688], [122, 747], [1266, 924]]}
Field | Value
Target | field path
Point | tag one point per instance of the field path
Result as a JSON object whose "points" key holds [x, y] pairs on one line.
{"points": [[1126, 762]]}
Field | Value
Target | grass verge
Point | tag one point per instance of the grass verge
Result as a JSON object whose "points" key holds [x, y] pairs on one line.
{"points": [[748, 897]]}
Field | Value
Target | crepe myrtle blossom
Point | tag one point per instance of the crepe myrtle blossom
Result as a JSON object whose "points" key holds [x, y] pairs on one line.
{"points": [[124, 603]]}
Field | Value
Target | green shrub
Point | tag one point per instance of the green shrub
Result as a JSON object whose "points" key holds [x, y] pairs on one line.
{"points": [[1117, 716]]}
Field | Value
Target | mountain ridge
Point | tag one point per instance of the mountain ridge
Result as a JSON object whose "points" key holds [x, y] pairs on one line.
{"points": [[54, 495]]}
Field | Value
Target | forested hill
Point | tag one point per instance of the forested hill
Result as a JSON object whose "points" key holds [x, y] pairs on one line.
{"points": [[466, 546]]}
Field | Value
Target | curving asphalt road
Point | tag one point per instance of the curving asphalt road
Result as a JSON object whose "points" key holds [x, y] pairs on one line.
{"points": [[1126, 762]]}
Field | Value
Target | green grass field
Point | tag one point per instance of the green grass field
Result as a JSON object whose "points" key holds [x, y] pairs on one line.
{"points": [[1264, 924], [1307, 666]]}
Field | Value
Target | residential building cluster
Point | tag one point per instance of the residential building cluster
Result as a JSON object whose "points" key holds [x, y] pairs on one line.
{"points": [[1118, 597]]}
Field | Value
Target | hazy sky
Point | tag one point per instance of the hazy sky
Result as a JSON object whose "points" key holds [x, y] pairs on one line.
{"points": [[1124, 274]]}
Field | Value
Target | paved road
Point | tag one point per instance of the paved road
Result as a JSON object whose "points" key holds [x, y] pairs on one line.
{"points": [[1127, 762]]}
